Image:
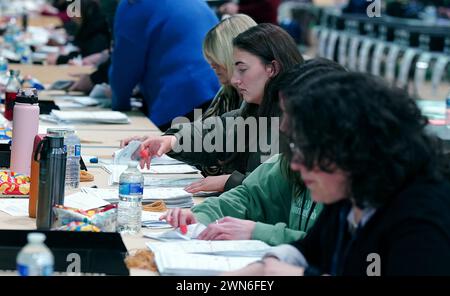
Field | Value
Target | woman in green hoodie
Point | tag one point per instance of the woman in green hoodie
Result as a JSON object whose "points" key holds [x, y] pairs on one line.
{"points": [[272, 204]]}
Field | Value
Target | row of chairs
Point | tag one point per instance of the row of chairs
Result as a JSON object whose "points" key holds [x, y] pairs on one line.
{"points": [[398, 64]]}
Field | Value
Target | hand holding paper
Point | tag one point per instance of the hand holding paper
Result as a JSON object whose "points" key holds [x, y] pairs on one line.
{"points": [[156, 146]]}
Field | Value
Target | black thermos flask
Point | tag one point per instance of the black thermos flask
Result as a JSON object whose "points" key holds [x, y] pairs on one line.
{"points": [[52, 176]]}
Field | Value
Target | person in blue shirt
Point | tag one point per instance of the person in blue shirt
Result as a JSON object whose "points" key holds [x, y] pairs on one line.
{"points": [[158, 47]]}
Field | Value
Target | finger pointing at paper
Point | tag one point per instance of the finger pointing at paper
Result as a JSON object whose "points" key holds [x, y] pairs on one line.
{"points": [[229, 228], [178, 217]]}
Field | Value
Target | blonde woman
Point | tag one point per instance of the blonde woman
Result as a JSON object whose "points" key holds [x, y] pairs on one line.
{"points": [[218, 51]]}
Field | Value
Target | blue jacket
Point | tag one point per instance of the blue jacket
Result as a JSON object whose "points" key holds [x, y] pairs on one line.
{"points": [[158, 46]]}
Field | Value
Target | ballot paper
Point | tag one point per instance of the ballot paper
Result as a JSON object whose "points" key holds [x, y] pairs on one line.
{"points": [[172, 197], [172, 263], [17, 207], [81, 101], [196, 257], [116, 170], [246, 248], [132, 152], [172, 182], [193, 231], [68, 104], [152, 220], [88, 117], [165, 160], [126, 154], [84, 201], [100, 91], [170, 169]]}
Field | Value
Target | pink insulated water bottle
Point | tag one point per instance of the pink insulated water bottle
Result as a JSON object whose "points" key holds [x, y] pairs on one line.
{"points": [[25, 128]]}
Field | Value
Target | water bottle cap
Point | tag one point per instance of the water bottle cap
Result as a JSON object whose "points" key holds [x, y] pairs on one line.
{"points": [[133, 164], [36, 237], [60, 131], [56, 141], [27, 96]]}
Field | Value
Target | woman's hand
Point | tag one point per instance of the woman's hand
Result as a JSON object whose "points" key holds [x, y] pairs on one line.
{"points": [[177, 217], [84, 84], [95, 59], [213, 183], [229, 228], [156, 146], [270, 266], [125, 142]]}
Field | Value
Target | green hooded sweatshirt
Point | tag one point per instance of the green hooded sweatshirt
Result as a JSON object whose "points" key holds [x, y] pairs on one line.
{"points": [[267, 197]]}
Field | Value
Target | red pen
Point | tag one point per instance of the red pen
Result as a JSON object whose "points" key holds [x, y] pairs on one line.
{"points": [[144, 154], [183, 229]]}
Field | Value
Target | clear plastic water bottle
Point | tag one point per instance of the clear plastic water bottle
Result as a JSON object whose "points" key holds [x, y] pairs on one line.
{"points": [[73, 148], [10, 36], [131, 189], [12, 87], [35, 259], [447, 111], [25, 54], [3, 75]]}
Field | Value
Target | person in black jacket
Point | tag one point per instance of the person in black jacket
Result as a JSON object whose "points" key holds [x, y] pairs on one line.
{"points": [[362, 149], [92, 35]]}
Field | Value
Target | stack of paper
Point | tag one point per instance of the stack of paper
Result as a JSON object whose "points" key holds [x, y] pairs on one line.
{"points": [[172, 197], [17, 207], [151, 220], [197, 264], [84, 201], [76, 101], [197, 257], [169, 182], [90, 117], [193, 231], [170, 169], [116, 170], [165, 160]]}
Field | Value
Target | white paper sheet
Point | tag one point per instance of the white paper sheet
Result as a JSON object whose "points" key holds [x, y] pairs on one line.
{"points": [[84, 201], [17, 207]]}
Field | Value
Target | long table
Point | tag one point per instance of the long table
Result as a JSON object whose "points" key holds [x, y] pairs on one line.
{"points": [[97, 140]]}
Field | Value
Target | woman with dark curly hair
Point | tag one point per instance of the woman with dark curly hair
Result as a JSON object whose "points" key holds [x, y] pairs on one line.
{"points": [[362, 150]]}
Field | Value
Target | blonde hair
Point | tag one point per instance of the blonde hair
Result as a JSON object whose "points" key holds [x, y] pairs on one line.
{"points": [[218, 43]]}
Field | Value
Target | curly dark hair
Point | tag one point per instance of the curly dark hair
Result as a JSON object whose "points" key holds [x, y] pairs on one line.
{"points": [[288, 83], [375, 133]]}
